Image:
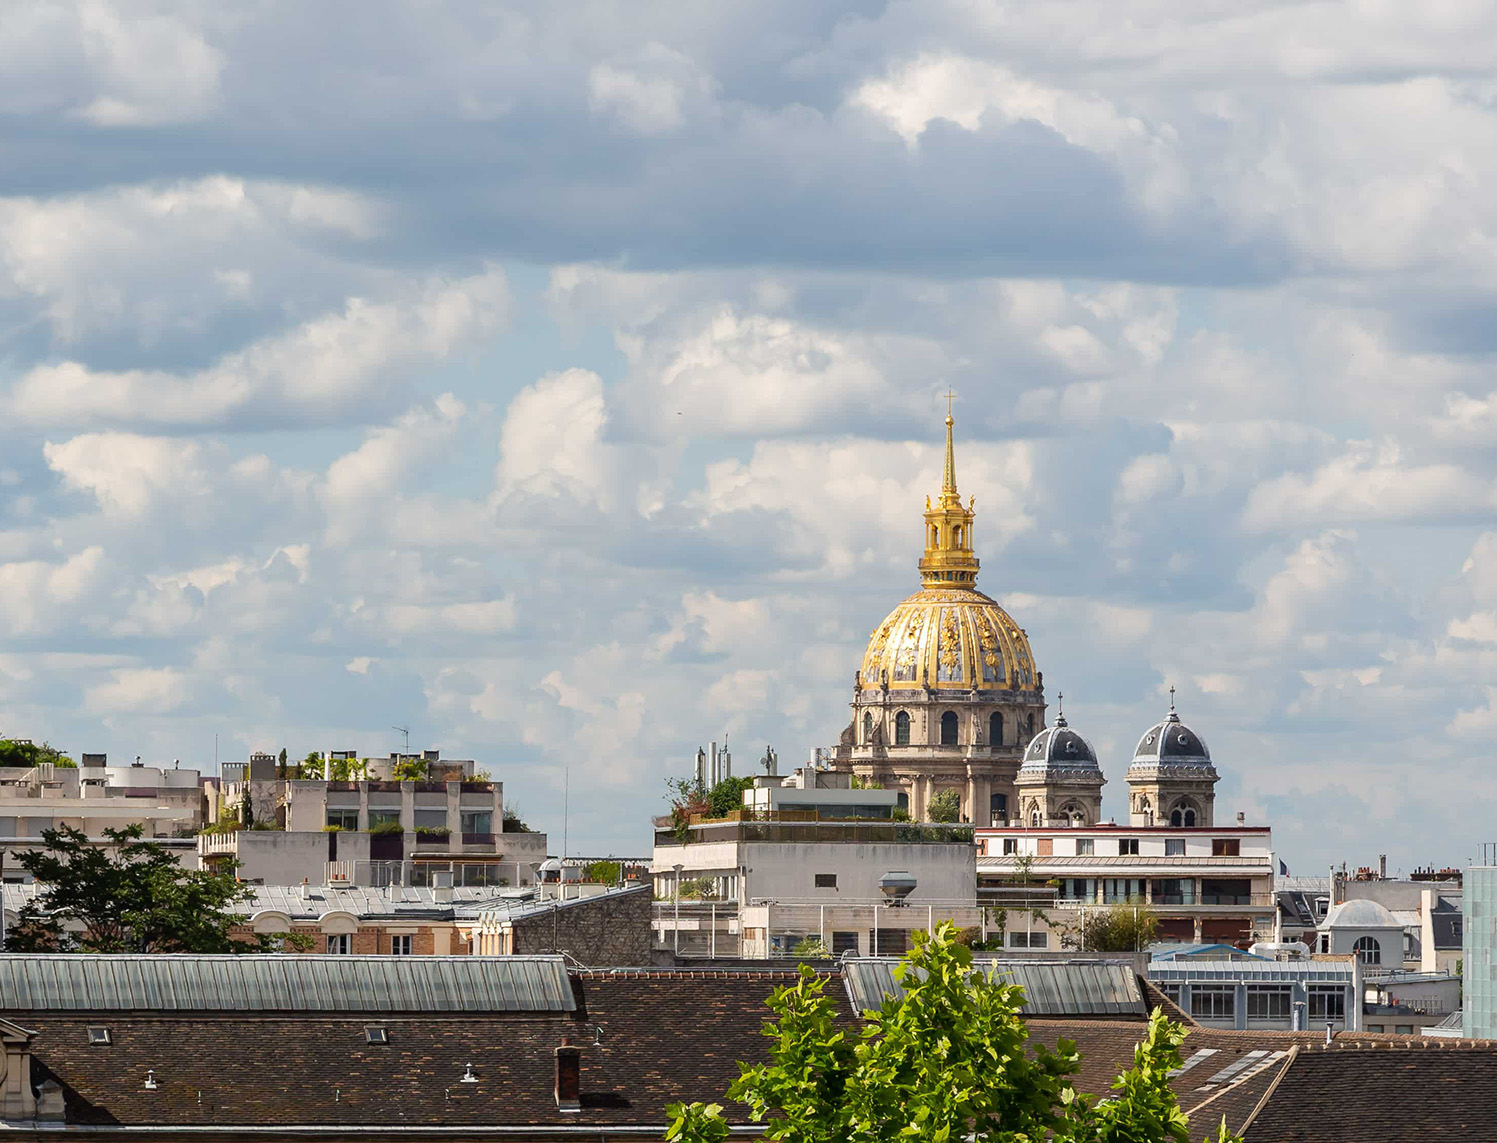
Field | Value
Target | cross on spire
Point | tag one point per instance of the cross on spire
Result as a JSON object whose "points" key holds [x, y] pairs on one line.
{"points": [[1172, 696], [950, 397]]}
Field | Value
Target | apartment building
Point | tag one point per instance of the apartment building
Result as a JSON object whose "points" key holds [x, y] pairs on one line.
{"points": [[167, 803], [376, 830], [808, 859], [1202, 884]]}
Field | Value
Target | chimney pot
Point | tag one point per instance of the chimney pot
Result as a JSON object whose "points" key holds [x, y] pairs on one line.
{"points": [[568, 1076]]}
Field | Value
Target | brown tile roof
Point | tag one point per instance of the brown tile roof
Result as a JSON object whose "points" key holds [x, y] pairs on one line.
{"points": [[650, 1037]]}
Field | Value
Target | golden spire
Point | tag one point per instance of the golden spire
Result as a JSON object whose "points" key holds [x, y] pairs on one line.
{"points": [[948, 478], [948, 561]]}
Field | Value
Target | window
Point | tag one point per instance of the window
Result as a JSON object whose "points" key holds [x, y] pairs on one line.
{"points": [[1121, 890], [1406, 1029], [826, 881], [1011, 846], [1030, 721], [1267, 1003], [1174, 891], [956, 536], [1374, 1027], [1184, 814], [1127, 846], [383, 817], [948, 728], [340, 944], [1174, 847], [1225, 847], [478, 821], [1085, 847], [902, 728], [995, 729], [1078, 889], [867, 727], [1368, 950], [844, 943], [1028, 940], [1327, 1003], [400, 945], [998, 807], [373, 1035], [343, 819], [431, 819], [1213, 1001], [98, 1036], [935, 536]]}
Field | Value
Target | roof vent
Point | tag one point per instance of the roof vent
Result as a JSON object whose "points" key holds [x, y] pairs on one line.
{"points": [[896, 885], [441, 887], [468, 1076], [99, 1036], [568, 1076], [151, 1084]]}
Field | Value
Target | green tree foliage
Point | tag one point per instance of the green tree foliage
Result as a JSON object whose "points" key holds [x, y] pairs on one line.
{"points": [[1116, 928], [129, 898], [310, 767], [13, 753], [607, 872], [410, 770], [945, 807], [812, 948], [511, 820], [727, 796], [949, 1061]]}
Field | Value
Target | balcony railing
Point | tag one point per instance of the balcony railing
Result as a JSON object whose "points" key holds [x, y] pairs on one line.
{"points": [[478, 839], [852, 833]]}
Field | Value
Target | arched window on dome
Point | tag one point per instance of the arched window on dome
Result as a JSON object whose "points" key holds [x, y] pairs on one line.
{"points": [[995, 729], [956, 537], [902, 728], [948, 728], [867, 727], [1368, 950], [1184, 814], [1034, 817], [1073, 813]]}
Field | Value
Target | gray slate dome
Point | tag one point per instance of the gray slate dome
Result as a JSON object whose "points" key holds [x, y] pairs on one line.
{"points": [[1172, 740], [1360, 914], [1058, 747]]}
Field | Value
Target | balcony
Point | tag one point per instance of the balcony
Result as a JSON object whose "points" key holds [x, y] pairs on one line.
{"points": [[478, 842], [386, 846], [818, 832]]}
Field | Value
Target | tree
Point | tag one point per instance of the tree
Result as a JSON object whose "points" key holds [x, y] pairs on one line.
{"points": [[727, 796], [945, 807], [132, 897], [1117, 928], [951, 1060], [811, 947], [410, 770], [13, 753], [605, 872]]}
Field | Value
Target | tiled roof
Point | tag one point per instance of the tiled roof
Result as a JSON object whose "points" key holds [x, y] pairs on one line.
{"points": [[650, 1037]]}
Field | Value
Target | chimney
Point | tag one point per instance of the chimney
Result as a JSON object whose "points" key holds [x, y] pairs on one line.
{"points": [[1241, 818], [441, 888], [1382, 866], [568, 1076]]}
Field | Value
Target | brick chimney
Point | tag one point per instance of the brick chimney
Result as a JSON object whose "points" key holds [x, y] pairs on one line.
{"points": [[568, 1076]]}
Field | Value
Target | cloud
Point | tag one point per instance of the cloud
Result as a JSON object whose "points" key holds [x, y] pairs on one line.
{"points": [[138, 691], [327, 369]]}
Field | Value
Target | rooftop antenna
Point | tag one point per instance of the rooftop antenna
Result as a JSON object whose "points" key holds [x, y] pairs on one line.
{"points": [[405, 730], [566, 805]]}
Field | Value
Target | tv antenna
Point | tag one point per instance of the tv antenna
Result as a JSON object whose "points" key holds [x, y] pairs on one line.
{"points": [[405, 730]]}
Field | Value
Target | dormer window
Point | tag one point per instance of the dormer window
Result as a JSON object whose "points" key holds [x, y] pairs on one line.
{"points": [[375, 1034], [99, 1037]]}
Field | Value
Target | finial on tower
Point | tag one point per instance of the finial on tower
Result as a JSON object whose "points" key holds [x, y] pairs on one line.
{"points": [[948, 478], [1173, 716], [1060, 708]]}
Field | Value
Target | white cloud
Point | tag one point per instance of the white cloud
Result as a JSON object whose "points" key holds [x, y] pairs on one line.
{"points": [[326, 368], [138, 690], [648, 92]]}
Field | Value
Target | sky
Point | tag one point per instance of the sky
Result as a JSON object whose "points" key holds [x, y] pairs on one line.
{"points": [[561, 382]]}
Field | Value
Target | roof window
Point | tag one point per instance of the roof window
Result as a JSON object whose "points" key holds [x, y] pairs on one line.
{"points": [[98, 1036], [377, 1035]]}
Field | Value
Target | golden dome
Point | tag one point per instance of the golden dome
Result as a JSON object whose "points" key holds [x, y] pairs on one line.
{"points": [[949, 634], [956, 638]]}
